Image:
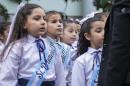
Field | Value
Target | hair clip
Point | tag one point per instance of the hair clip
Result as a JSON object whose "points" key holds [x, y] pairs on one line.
{"points": [[88, 16]]}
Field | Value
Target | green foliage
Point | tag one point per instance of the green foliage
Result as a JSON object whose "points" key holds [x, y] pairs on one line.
{"points": [[4, 12], [104, 4]]}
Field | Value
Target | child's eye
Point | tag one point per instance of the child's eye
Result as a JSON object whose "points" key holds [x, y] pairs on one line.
{"points": [[98, 30], [77, 32], [36, 18], [54, 21], [70, 31], [44, 18], [60, 21]]}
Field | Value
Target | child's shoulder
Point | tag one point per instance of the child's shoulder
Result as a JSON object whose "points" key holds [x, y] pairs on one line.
{"points": [[84, 58], [61, 44], [17, 45], [19, 42]]}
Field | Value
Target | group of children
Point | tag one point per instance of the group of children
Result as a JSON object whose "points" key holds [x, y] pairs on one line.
{"points": [[43, 49]]}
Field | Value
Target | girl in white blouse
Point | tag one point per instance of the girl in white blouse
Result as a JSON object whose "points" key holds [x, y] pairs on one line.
{"points": [[89, 51], [30, 60], [54, 31]]}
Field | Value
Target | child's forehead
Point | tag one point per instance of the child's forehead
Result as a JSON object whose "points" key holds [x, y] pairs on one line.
{"points": [[97, 24], [53, 15], [38, 10], [71, 26]]}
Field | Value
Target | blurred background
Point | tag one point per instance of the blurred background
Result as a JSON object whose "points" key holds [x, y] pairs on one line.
{"points": [[70, 8]]}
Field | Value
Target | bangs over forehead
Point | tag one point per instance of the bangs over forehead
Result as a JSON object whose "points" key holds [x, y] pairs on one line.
{"points": [[50, 13]]}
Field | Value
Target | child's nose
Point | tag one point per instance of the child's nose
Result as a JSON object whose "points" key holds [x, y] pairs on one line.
{"points": [[43, 22], [74, 33], [60, 24]]}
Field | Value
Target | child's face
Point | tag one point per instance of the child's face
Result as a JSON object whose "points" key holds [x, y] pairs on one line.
{"points": [[54, 25], [36, 24], [70, 33], [96, 35]]}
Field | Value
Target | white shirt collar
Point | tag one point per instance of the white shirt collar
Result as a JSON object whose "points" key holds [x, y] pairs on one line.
{"points": [[91, 50], [31, 38]]}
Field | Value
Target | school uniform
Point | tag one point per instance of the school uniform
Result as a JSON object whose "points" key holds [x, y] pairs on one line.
{"points": [[68, 57], [83, 68], [64, 53], [23, 61], [70, 64]]}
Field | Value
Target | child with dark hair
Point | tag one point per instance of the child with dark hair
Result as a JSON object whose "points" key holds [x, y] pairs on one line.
{"points": [[29, 59], [69, 37], [91, 37], [54, 31], [70, 32]]}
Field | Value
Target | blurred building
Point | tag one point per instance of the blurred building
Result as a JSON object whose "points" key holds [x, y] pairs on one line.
{"points": [[75, 9]]}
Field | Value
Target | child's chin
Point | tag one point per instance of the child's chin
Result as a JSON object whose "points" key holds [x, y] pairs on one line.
{"points": [[59, 34], [42, 33]]}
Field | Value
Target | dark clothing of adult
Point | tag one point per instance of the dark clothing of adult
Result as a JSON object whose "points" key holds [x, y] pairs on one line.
{"points": [[115, 64]]}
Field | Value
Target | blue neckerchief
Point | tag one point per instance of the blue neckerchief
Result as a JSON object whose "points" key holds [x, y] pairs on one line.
{"points": [[63, 50], [41, 47], [46, 63], [65, 54], [95, 68]]}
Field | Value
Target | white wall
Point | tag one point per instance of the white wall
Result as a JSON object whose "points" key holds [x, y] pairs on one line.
{"points": [[88, 7], [73, 8]]}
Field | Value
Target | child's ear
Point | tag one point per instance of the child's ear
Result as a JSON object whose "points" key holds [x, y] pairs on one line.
{"points": [[87, 36]]}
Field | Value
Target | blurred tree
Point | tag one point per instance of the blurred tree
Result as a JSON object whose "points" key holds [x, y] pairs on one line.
{"points": [[104, 4], [19, 1], [4, 12]]}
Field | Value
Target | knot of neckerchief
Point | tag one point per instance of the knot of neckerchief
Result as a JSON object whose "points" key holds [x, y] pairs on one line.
{"points": [[41, 47], [96, 58]]}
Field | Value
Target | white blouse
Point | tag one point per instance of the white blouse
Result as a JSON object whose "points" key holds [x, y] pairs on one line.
{"points": [[22, 62], [82, 69]]}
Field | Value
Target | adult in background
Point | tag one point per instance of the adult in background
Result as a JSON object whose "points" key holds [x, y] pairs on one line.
{"points": [[115, 65]]}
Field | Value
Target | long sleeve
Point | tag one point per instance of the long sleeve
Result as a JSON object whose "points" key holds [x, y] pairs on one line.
{"points": [[60, 75], [9, 68], [78, 75]]}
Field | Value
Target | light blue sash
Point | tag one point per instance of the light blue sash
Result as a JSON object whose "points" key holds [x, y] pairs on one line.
{"points": [[46, 62], [96, 67]]}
